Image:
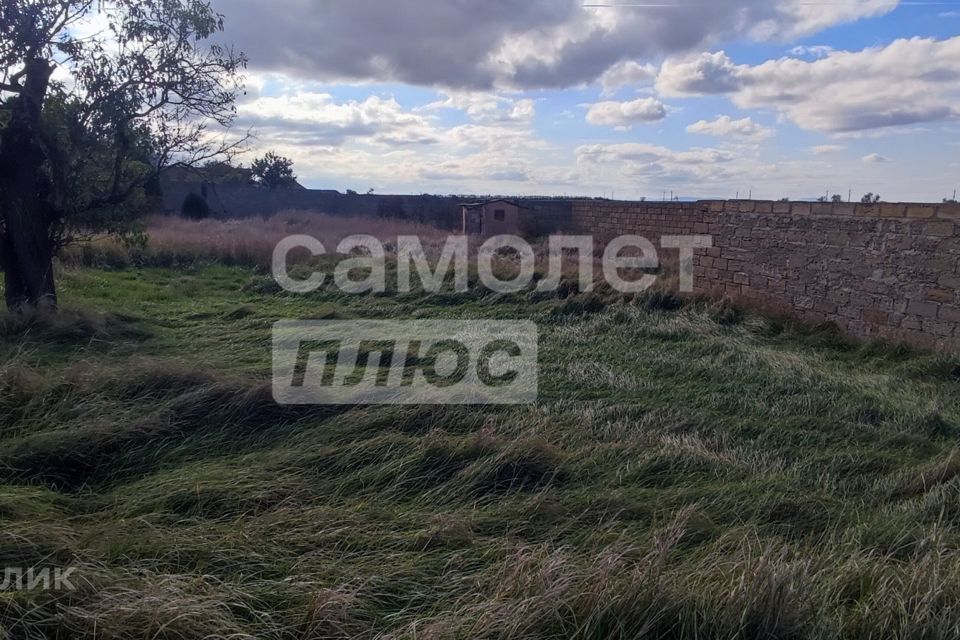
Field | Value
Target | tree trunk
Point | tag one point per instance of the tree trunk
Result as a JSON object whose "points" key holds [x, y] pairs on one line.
{"points": [[27, 247], [15, 290]]}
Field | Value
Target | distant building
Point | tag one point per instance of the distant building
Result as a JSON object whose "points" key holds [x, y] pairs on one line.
{"points": [[491, 218]]}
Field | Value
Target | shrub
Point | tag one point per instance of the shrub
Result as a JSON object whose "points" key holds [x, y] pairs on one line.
{"points": [[195, 207]]}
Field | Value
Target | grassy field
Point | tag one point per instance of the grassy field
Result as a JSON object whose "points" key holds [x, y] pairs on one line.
{"points": [[688, 472]]}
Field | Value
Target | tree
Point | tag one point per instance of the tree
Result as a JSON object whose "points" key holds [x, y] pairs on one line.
{"points": [[195, 207], [836, 198], [82, 155], [870, 198], [273, 170], [224, 172]]}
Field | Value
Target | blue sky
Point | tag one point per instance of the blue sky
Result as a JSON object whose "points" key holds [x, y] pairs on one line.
{"points": [[780, 98]]}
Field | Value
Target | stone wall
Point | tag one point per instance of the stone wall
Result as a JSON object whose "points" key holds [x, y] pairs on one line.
{"points": [[875, 271]]}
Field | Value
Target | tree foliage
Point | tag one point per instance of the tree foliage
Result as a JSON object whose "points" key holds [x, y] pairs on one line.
{"points": [[91, 116], [195, 207], [273, 171]]}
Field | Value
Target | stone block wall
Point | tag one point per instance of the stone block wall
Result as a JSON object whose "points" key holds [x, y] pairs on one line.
{"points": [[890, 270]]}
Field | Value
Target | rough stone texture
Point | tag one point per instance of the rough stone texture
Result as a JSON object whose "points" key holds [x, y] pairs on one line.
{"points": [[887, 271]]}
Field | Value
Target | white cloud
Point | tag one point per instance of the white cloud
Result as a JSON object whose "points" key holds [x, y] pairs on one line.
{"points": [[626, 114], [376, 141], [802, 17], [502, 43], [510, 175], [489, 137], [485, 59], [813, 51], [725, 126], [906, 82], [487, 107], [654, 167], [315, 118], [643, 152], [875, 158], [522, 111], [704, 74], [628, 72], [476, 104]]}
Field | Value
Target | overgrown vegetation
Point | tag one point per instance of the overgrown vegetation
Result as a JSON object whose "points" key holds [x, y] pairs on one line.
{"points": [[195, 207], [690, 471], [183, 242], [273, 171]]}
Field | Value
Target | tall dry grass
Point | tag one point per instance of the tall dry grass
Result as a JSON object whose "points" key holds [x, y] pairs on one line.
{"points": [[172, 240]]}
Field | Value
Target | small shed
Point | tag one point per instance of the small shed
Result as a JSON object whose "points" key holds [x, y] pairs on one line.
{"points": [[491, 217]]}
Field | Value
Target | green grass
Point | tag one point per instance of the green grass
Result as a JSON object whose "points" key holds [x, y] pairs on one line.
{"points": [[689, 471]]}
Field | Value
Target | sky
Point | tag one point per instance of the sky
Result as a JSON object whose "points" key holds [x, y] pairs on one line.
{"points": [[628, 99]]}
